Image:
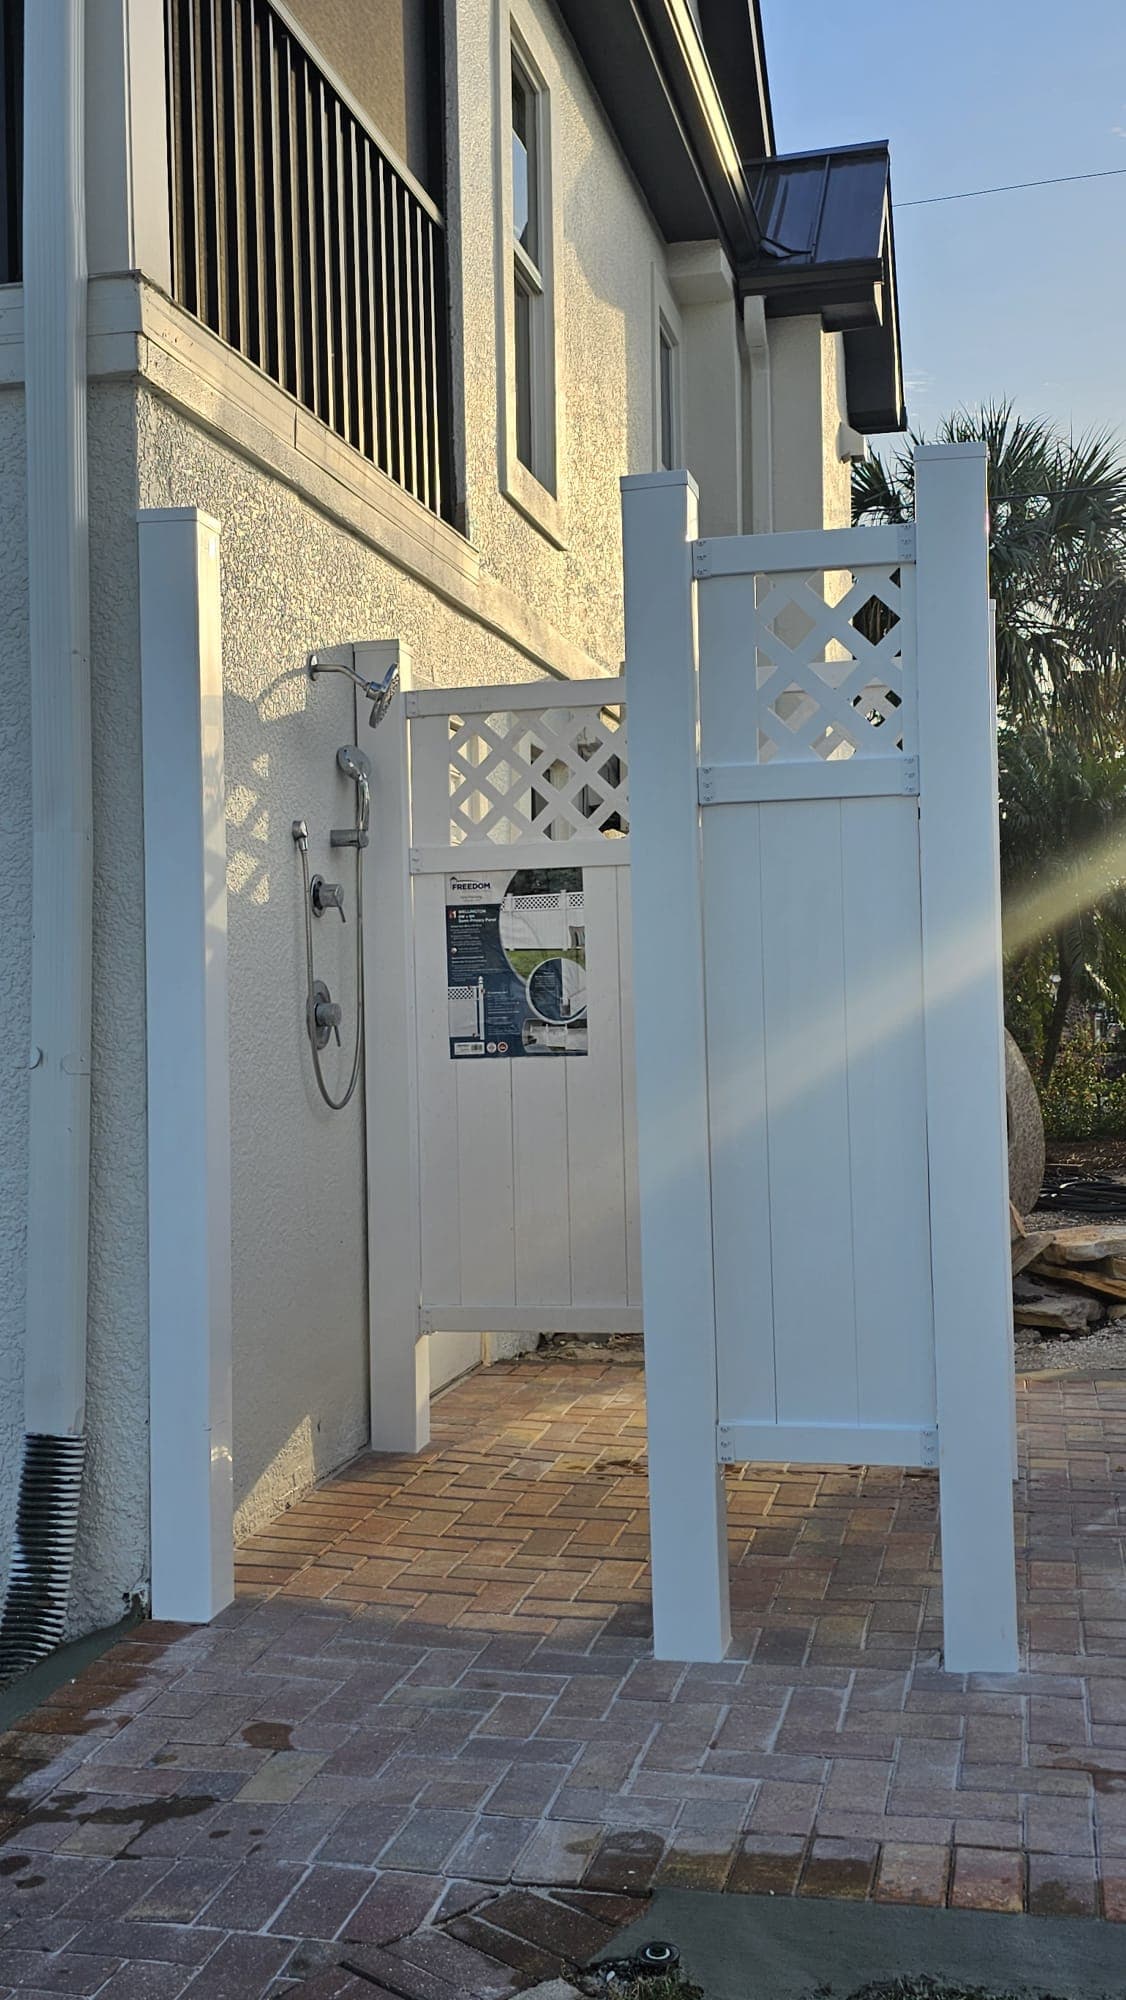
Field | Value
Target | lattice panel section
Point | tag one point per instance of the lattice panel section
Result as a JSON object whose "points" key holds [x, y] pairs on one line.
{"points": [[551, 774], [834, 665]]}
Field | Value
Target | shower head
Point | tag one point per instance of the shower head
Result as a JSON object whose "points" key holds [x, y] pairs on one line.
{"points": [[382, 693], [380, 689]]}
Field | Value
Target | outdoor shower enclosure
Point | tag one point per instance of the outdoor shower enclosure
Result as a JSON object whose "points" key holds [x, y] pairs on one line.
{"points": [[818, 1026]]}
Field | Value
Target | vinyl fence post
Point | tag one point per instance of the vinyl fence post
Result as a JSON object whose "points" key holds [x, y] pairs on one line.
{"points": [[188, 1066], [400, 1356], [687, 1507], [966, 1126]]}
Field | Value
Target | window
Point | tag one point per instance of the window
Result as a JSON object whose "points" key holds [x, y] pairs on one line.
{"points": [[531, 363], [668, 413]]}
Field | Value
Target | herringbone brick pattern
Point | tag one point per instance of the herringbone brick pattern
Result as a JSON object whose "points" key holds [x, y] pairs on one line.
{"points": [[437, 1682]]}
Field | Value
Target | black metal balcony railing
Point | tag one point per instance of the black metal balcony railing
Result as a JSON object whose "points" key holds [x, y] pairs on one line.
{"points": [[11, 139], [299, 242]]}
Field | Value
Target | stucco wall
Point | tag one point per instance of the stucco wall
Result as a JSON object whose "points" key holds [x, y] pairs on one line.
{"points": [[112, 1557], [812, 485], [15, 946], [606, 249], [292, 580]]}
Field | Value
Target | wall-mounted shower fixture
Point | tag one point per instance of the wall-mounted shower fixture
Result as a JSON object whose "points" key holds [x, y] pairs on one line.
{"points": [[325, 896], [373, 668], [356, 765], [372, 665]]}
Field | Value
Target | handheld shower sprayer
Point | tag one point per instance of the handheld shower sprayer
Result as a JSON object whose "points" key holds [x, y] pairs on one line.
{"points": [[372, 666], [356, 765]]}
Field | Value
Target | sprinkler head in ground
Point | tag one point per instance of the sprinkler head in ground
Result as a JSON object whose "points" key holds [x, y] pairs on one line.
{"points": [[655, 1960]]}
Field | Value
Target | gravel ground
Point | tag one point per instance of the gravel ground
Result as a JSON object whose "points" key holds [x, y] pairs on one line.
{"points": [[1105, 1348]]}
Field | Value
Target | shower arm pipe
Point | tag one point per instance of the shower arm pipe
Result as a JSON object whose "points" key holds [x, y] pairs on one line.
{"points": [[54, 237]]}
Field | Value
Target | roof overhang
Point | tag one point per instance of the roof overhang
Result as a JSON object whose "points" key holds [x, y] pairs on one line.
{"points": [[703, 154], [827, 246], [676, 127]]}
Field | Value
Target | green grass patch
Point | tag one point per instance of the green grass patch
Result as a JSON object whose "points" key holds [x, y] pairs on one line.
{"points": [[525, 962]]}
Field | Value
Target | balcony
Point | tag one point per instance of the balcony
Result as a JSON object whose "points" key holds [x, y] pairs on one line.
{"points": [[303, 243]]}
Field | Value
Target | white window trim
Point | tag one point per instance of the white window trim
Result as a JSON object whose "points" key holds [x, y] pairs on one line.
{"points": [[666, 319], [544, 506]]}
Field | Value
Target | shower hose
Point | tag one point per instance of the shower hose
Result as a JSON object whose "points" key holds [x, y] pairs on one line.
{"points": [[335, 1103]]}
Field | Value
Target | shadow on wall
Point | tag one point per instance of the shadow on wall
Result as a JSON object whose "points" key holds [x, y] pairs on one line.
{"points": [[299, 1254], [611, 340]]}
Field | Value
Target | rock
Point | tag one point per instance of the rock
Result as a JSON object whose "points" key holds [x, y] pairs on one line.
{"points": [[1062, 1312], [1089, 1244], [1026, 1249], [1088, 1278], [1026, 1130]]}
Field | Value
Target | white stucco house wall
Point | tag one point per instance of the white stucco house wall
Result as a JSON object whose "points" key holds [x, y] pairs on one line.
{"points": [[406, 421]]}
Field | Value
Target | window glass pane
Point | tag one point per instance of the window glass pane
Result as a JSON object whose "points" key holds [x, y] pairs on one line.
{"points": [[525, 147], [668, 405], [524, 441]]}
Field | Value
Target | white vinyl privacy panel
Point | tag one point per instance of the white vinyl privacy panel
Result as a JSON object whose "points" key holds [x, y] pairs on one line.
{"points": [[813, 960], [820, 1094], [527, 1163]]}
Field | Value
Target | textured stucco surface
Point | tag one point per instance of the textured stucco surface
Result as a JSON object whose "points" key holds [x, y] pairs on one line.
{"points": [[606, 249], [15, 947], [111, 1562], [291, 580], [112, 1557], [812, 486]]}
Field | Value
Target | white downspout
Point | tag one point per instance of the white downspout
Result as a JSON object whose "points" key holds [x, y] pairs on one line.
{"points": [[54, 282], [762, 440]]}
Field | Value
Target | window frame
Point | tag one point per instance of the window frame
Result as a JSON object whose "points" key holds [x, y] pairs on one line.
{"points": [[535, 489], [667, 331]]}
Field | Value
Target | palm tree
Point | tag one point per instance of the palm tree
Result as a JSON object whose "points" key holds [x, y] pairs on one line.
{"points": [[1063, 871], [1057, 549]]}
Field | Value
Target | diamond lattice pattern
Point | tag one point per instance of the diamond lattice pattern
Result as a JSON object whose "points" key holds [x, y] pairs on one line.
{"points": [[834, 671], [550, 773]]}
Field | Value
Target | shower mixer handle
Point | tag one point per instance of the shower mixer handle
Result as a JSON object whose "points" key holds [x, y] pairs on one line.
{"points": [[328, 1015], [325, 896]]}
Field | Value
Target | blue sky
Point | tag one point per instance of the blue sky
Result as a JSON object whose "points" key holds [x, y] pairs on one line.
{"points": [[1020, 295]]}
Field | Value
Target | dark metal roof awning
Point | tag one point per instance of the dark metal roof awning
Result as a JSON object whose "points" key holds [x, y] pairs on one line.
{"points": [[828, 248]]}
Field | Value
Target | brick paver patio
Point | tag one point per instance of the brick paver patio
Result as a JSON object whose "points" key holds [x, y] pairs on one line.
{"points": [[427, 1753]]}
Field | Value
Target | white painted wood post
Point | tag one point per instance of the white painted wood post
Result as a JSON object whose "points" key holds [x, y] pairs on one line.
{"points": [[127, 140], [58, 581], [961, 908], [400, 1353], [687, 1507], [189, 1141]]}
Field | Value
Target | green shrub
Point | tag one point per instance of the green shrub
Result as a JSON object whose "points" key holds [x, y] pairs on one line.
{"points": [[1080, 1101]]}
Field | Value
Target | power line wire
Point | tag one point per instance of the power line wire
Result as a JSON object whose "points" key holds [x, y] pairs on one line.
{"points": [[1011, 187]]}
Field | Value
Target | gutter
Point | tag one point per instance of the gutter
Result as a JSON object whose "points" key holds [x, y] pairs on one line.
{"points": [[673, 31], [54, 248]]}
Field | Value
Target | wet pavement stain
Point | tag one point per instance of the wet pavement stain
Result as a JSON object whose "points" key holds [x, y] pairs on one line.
{"points": [[1057, 1899], [269, 1735], [1104, 1781], [143, 1814]]}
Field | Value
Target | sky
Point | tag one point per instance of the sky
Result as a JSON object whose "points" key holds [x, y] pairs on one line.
{"points": [[1017, 295]]}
